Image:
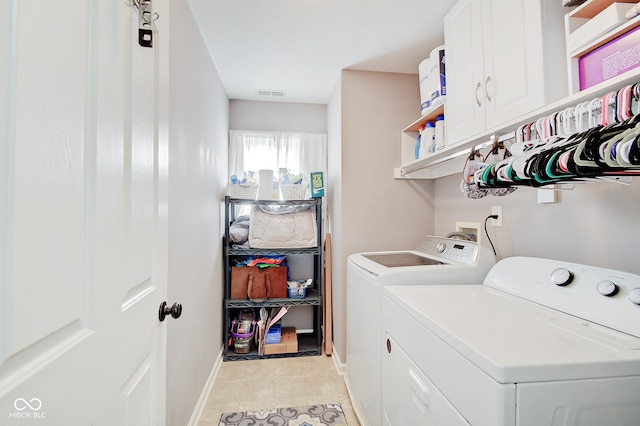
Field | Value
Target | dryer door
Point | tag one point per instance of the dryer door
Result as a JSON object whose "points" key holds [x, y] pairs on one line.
{"points": [[409, 398]]}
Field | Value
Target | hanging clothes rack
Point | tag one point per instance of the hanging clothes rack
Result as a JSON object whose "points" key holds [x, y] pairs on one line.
{"points": [[594, 140]]}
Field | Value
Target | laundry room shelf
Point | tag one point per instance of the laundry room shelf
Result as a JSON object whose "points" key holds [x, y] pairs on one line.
{"points": [[307, 346], [471, 124], [311, 299], [260, 252], [451, 160], [309, 343]]}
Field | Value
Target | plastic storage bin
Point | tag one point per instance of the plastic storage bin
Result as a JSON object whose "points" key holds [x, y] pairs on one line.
{"points": [[293, 192], [243, 192], [297, 292]]}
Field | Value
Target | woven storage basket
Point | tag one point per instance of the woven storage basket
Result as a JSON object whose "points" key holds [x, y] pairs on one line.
{"points": [[243, 192], [293, 192]]}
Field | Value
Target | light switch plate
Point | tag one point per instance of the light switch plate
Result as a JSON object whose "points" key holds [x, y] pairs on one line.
{"points": [[547, 195]]}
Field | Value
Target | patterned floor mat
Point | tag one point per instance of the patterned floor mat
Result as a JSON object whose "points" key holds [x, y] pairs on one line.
{"points": [[312, 415]]}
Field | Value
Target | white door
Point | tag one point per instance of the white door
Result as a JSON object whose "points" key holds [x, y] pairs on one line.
{"points": [[83, 221]]}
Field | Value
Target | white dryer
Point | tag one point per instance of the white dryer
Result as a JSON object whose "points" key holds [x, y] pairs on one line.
{"points": [[437, 260], [541, 343]]}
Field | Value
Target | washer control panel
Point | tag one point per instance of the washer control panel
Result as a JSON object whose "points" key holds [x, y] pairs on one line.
{"points": [[563, 277], [608, 297], [450, 249]]}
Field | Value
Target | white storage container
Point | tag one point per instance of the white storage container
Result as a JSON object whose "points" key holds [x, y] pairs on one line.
{"points": [[428, 139], [603, 22]]}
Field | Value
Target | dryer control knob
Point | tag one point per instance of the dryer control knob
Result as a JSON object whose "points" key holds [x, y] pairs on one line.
{"points": [[439, 247], [634, 296], [561, 276], [607, 288]]}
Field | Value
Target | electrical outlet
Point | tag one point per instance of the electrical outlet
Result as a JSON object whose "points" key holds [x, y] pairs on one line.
{"points": [[497, 210]]}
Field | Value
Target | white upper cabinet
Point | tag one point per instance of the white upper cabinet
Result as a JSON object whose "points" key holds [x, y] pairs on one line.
{"points": [[505, 58], [464, 53]]}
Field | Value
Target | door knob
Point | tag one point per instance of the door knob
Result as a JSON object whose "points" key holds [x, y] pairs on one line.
{"points": [[175, 310]]}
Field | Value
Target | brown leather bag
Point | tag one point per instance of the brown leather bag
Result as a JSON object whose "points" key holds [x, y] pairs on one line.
{"points": [[249, 282]]}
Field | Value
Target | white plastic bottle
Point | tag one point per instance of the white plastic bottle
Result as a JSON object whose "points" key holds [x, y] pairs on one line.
{"points": [[428, 144], [439, 132]]}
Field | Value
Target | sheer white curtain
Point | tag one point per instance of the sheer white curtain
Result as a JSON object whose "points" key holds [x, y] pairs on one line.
{"points": [[298, 152]]}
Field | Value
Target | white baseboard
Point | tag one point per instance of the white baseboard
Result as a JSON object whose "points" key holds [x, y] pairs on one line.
{"points": [[341, 367], [354, 405], [206, 390]]}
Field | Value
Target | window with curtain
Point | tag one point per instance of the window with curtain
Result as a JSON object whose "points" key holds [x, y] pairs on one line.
{"points": [[297, 152]]}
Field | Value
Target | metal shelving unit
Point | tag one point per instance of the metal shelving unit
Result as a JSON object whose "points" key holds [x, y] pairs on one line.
{"points": [[307, 346], [308, 343]]}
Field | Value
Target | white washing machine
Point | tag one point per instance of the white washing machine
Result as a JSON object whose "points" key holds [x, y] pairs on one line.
{"points": [[437, 260], [541, 343]]}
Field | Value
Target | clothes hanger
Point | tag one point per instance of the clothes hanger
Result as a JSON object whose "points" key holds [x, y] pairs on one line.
{"points": [[596, 139]]}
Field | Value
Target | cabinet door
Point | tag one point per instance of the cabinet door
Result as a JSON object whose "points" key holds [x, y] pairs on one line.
{"points": [[465, 106], [514, 71]]}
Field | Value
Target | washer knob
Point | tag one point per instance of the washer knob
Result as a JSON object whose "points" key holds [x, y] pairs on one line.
{"points": [[634, 296], [561, 277], [440, 247], [607, 288]]}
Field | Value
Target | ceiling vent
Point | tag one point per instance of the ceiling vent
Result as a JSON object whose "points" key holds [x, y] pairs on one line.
{"points": [[272, 93]]}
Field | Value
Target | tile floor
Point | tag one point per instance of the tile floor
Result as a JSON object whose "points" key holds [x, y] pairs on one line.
{"points": [[275, 383]]}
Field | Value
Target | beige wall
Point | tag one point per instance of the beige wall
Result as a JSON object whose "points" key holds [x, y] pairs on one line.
{"points": [[197, 175], [595, 223], [277, 116], [376, 211]]}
